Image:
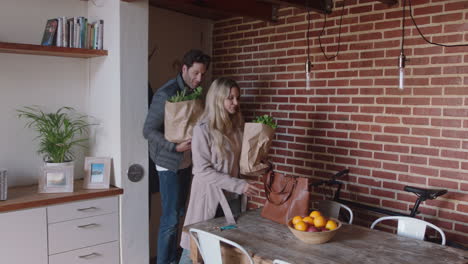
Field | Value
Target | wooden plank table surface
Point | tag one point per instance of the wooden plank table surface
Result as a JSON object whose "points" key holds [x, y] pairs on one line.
{"points": [[266, 240]]}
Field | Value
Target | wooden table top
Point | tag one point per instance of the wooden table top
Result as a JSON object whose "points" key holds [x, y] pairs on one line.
{"points": [[267, 240], [26, 197]]}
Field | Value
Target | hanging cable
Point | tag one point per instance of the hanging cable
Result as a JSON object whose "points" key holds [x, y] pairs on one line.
{"points": [[422, 35], [339, 34], [308, 64], [308, 29], [402, 57]]}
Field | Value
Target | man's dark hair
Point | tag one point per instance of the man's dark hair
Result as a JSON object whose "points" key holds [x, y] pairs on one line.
{"points": [[196, 56]]}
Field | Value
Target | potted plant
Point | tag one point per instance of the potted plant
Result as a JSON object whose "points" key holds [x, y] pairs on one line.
{"points": [[59, 132]]}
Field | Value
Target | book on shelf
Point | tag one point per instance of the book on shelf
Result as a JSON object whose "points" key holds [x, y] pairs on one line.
{"points": [[74, 32], [48, 39]]}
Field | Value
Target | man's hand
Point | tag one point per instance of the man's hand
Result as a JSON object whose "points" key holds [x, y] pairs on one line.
{"points": [[184, 146]]}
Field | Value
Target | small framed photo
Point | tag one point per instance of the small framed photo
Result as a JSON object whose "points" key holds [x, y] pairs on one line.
{"points": [[97, 173], [56, 179]]}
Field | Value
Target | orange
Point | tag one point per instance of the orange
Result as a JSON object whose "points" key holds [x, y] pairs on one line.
{"points": [[301, 226], [319, 221], [314, 214], [309, 220], [296, 219], [331, 225]]}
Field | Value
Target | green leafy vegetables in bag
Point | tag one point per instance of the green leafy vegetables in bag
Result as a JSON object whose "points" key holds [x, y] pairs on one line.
{"points": [[267, 120], [183, 96]]}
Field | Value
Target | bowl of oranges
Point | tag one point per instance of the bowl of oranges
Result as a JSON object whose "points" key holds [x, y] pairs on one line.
{"points": [[314, 228]]}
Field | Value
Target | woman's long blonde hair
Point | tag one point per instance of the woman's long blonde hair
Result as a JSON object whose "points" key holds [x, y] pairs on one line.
{"points": [[220, 122]]}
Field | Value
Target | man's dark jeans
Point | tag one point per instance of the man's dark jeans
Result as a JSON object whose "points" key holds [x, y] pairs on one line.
{"points": [[174, 188]]}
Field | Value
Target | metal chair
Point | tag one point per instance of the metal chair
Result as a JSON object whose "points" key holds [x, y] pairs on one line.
{"points": [[209, 246], [332, 209], [411, 227]]}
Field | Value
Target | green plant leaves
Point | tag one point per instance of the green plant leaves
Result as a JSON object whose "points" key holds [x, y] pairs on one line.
{"points": [[267, 120], [57, 131], [181, 96]]}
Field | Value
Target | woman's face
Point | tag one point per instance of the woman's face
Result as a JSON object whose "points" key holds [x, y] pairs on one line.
{"points": [[231, 103]]}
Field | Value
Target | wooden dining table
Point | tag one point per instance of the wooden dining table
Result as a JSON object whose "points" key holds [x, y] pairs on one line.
{"points": [[266, 240]]}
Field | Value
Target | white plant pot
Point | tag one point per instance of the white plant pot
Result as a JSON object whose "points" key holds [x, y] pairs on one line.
{"points": [[57, 177], [69, 163]]}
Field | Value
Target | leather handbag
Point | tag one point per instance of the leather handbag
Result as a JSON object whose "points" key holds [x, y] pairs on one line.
{"points": [[286, 197]]}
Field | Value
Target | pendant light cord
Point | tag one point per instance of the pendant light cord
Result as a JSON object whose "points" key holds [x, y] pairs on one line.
{"points": [[308, 29], [339, 34], [422, 35], [403, 27]]}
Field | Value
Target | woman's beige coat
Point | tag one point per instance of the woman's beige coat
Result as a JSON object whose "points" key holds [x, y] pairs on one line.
{"points": [[212, 175]]}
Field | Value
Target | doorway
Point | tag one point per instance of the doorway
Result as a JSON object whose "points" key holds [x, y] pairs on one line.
{"points": [[171, 34]]}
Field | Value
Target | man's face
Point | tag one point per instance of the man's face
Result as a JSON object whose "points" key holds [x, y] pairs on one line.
{"points": [[194, 75]]}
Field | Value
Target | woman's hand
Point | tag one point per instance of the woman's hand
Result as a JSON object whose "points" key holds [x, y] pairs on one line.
{"points": [[250, 189]]}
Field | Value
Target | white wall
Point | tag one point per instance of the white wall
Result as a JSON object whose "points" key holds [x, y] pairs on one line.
{"points": [[104, 88], [34, 80], [172, 34], [134, 148]]}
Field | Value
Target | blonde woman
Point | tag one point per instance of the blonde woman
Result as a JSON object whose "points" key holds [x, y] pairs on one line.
{"points": [[216, 148]]}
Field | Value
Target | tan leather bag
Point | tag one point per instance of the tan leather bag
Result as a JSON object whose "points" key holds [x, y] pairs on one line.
{"points": [[286, 196]]}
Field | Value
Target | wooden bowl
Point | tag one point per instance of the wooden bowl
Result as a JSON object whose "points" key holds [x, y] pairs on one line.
{"points": [[315, 237]]}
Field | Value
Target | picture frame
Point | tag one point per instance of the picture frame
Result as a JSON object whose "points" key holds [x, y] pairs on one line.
{"points": [[56, 179], [97, 172]]}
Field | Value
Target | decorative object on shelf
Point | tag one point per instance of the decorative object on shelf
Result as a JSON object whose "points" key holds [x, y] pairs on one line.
{"points": [[48, 39], [59, 133], [3, 184], [56, 178], [97, 172]]}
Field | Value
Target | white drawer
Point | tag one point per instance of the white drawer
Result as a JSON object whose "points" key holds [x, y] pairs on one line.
{"points": [[75, 210], [80, 233], [101, 254]]}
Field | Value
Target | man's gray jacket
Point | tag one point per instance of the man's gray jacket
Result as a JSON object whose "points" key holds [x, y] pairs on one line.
{"points": [[162, 152]]}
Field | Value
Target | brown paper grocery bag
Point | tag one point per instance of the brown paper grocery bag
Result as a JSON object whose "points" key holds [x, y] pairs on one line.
{"points": [[255, 146], [180, 118]]}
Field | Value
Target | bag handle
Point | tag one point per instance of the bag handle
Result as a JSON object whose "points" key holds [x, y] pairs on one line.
{"points": [[267, 183]]}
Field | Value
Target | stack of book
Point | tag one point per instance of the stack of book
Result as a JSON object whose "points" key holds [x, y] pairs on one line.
{"points": [[74, 32]]}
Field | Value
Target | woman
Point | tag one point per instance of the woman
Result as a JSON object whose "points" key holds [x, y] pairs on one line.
{"points": [[216, 148]]}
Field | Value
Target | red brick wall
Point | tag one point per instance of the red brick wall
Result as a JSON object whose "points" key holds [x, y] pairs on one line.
{"points": [[355, 117]]}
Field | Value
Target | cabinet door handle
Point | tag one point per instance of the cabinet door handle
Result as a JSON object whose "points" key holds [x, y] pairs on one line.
{"points": [[88, 225], [92, 208], [92, 255]]}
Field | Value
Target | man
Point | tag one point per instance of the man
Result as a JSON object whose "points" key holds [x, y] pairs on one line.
{"points": [[173, 161]]}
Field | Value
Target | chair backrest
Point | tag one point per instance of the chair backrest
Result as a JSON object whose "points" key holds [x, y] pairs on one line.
{"points": [[209, 246], [277, 261], [332, 209], [411, 227]]}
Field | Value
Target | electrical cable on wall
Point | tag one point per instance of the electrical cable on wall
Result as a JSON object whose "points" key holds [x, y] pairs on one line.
{"points": [[402, 57], [422, 35], [308, 64], [339, 34]]}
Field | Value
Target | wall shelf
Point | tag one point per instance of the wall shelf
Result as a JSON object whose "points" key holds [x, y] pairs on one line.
{"points": [[18, 48]]}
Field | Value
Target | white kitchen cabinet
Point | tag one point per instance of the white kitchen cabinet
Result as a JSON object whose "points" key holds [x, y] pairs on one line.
{"points": [[88, 227], [70, 228], [23, 237], [100, 254]]}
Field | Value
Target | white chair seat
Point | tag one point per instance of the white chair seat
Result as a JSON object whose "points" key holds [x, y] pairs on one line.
{"points": [[209, 246], [411, 227], [277, 261], [332, 209]]}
